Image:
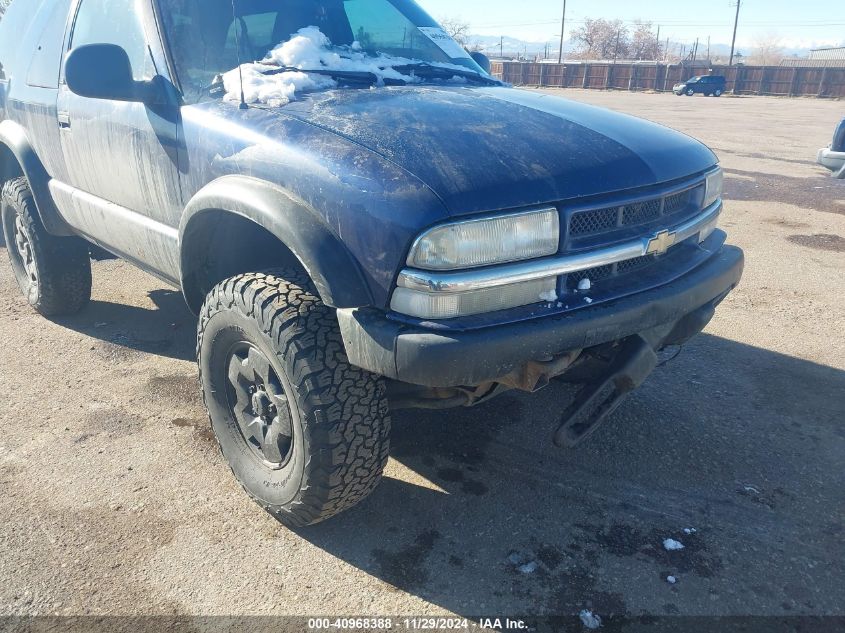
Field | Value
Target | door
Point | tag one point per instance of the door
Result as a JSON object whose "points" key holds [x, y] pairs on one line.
{"points": [[122, 186]]}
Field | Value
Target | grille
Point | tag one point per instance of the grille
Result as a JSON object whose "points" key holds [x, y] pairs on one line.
{"points": [[609, 270], [676, 202], [593, 274], [597, 221], [634, 264], [641, 212]]}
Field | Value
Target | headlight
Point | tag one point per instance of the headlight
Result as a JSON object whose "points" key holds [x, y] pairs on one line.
{"points": [[713, 190], [473, 243]]}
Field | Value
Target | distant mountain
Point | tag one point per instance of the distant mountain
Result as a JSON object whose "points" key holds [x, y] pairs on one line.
{"points": [[513, 47]]}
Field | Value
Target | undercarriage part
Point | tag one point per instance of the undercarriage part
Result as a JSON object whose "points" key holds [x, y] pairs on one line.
{"points": [[536, 374], [632, 364], [532, 376], [406, 396]]}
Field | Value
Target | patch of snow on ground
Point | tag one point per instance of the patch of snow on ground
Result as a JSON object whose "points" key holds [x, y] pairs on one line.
{"points": [[671, 580], [549, 296], [310, 49], [690, 530], [585, 284], [589, 619], [528, 568], [588, 300], [671, 545]]}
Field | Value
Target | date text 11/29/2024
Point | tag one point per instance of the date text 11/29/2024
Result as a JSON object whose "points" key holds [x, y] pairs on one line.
{"points": [[416, 624]]}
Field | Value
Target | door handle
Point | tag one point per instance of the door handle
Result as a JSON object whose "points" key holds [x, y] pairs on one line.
{"points": [[64, 120]]}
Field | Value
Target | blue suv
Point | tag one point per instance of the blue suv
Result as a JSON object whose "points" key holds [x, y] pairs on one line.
{"points": [[361, 216]]}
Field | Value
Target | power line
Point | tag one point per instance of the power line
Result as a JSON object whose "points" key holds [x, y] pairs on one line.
{"points": [[791, 23]]}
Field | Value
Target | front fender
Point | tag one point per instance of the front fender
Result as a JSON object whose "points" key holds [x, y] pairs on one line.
{"points": [[324, 257], [13, 137]]}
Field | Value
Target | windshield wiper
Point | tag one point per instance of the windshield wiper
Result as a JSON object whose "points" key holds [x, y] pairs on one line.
{"points": [[430, 71], [423, 70], [347, 76]]}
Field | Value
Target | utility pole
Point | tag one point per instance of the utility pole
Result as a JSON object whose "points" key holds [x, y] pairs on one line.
{"points": [[736, 24], [616, 51], [708, 49], [562, 26], [502, 47], [657, 39], [695, 51]]}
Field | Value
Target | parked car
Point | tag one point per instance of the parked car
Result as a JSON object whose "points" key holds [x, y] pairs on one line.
{"points": [[708, 85], [361, 223], [833, 156]]}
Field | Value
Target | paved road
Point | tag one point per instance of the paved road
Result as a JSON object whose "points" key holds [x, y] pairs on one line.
{"points": [[115, 500]]}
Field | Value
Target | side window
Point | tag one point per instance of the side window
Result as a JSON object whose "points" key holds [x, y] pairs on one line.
{"points": [[44, 68], [113, 22]]}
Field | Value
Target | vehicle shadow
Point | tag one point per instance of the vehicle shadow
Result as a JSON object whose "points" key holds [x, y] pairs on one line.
{"points": [[168, 329], [479, 514]]}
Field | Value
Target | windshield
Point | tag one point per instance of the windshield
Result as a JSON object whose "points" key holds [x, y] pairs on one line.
{"points": [[206, 40]]}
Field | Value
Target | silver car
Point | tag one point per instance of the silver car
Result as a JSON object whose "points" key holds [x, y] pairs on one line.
{"points": [[833, 156]]}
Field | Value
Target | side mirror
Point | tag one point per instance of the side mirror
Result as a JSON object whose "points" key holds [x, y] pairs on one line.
{"points": [[103, 71], [482, 60]]}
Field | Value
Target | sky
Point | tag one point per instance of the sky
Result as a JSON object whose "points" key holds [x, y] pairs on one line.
{"points": [[801, 24]]}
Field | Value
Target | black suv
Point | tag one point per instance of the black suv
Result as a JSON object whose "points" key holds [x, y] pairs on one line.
{"points": [[360, 215], [708, 85]]}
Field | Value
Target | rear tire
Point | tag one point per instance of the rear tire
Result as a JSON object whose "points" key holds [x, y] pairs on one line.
{"points": [[53, 273], [304, 432]]}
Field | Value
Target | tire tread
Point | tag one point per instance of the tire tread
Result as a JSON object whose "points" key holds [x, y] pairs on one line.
{"points": [[344, 407], [64, 264]]}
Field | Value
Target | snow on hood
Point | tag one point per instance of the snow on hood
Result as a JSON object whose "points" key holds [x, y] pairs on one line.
{"points": [[311, 49]]}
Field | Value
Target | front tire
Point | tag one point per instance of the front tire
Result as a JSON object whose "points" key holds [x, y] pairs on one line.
{"points": [[53, 273], [305, 433], [690, 92]]}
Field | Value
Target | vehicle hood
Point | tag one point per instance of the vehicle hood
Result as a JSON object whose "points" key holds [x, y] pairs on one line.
{"points": [[483, 149]]}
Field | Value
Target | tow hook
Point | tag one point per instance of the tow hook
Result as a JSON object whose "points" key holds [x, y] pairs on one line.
{"points": [[597, 400]]}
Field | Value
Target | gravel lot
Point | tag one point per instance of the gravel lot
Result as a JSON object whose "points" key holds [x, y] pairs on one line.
{"points": [[115, 500]]}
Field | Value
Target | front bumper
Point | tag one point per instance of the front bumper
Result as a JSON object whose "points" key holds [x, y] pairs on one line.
{"points": [[448, 359], [834, 161]]}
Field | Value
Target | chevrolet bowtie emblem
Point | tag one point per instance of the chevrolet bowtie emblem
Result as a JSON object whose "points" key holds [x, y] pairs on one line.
{"points": [[661, 243]]}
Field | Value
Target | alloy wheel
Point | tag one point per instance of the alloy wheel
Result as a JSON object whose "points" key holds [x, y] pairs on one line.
{"points": [[260, 405], [24, 248]]}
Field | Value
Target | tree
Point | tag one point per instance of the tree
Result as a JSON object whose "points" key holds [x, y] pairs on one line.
{"points": [[644, 44], [458, 29], [768, 50], [3, 5], [601, 39]]}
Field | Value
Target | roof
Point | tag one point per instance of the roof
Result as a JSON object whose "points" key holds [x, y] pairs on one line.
{"points": [[837, 52]]}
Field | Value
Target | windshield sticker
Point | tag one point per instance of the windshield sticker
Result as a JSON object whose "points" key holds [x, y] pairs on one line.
{"points": [[444, 41]]}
